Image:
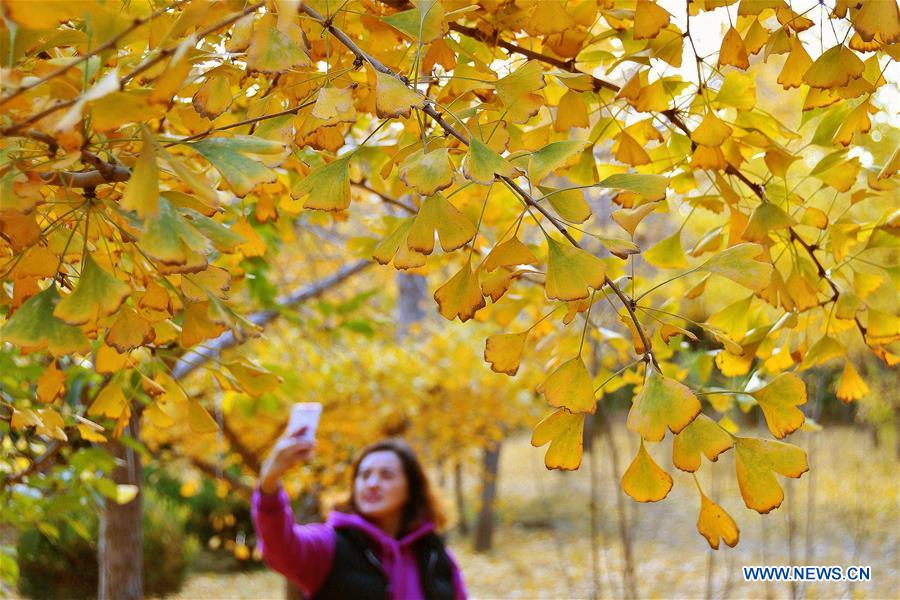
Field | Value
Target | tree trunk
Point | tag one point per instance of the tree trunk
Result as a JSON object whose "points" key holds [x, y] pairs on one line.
{"points": [[484, 527], [411, 293], [462, 523], [120, 548]]}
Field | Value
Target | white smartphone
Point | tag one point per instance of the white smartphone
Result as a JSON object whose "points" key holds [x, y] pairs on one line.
{"points": [[305, 414]]}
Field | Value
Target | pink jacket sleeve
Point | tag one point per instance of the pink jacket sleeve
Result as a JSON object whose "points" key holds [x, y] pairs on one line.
{"points": [[302, 553]]}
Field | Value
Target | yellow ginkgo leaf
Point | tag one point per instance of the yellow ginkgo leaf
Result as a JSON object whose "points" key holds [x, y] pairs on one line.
{"points": [[732, 51], [98, 294], [110, 402], [510, 253], [779, 400], [393, 98], [481, 163], [386, 249], [197, 325], [835, 68], [460, 296], [552, 156], [649, 19], [108, 360], [142, 192], [496, 283], [878, 18], [797, 63], [857, 121], [852, 386], [213, 98], [336, 104], [271, 50], [427, 172], [667, 253], [565, 432], [661, 403], [703, 435], [199, 419], [252, 379], [629, 218], [437, 213], [757, 461], [826, 348], [571, 271], [504, 351], [518, 90], [715, 524], [644, 480], [51, 384], [568, 204], [327, 187], [766, 217], [738, 263], [129, 331], [571, 112], [709, 158], [630, 152], [569, 386], [712, 131]]}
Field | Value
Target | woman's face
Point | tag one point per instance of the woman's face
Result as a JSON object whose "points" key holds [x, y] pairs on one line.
{"points": [[380, 488]]}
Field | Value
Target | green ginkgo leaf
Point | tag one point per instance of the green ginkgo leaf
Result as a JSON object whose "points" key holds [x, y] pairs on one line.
{"points": [[571, 271], [661, 403], [33, 326], [481, 163], [326, 187], [228, 156], [98, 294]]}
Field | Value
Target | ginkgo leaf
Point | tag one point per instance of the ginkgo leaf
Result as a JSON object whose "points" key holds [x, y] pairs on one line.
{"points": [[51, 384], [766, 217], [650, 187], [715, 524], [199, 419], [738, 264], [517, 91], [551, 157], [565, 432], [326, 187], [649, 19], [568, 204], [227, 155], [129, 331], [437, 213], [497, 283], [213, 98], [393, 98], [387, 247], [142, 192], [629, 218], [510, 253], [427, 172], [876, 18], [738, 90], [98, 294], [460, 296], [572, 111], [480, 163], [504, 351], [757, 461], [197, 325], [712, 131], [569, 386], [422, 23], [835, 68], [732, 51], [271, 50], [797, 63], [630, 152], [335, 103], [826, 348], [170, 239], [661, 403], [779, 400], [110, 402], [667, 253], [644, 480], [702, 435], [252, 379], [571, 271], [852, 387]]}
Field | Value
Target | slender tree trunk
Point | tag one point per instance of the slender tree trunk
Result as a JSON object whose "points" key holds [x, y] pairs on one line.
{"points": [[411, 293], [120, 547], [596, 591], [463, 522], [484, 527], [629, 580]]}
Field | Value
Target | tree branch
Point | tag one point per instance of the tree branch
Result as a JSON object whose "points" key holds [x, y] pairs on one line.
{"points": [[212, 471], [251, 461], [191, 361]]}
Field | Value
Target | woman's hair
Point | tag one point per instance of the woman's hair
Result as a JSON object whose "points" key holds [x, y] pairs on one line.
{"points": [[421, 504]]}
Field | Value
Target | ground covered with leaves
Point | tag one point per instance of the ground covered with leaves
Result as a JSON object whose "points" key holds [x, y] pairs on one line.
{"points": [[845, 513]]}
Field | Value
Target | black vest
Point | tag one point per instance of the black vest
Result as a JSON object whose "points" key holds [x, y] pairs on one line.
{"points": [[356, 572]]}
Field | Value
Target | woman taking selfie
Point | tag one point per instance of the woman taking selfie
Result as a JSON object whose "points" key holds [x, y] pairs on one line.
{"points": [[382, 543]]}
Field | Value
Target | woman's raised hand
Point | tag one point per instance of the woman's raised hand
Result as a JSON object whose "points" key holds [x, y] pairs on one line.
{"points": [[291, 449]]}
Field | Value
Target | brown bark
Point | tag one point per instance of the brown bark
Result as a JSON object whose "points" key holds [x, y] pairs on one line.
{"points": [[462, 523], [120, 548], [484, 527]]}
